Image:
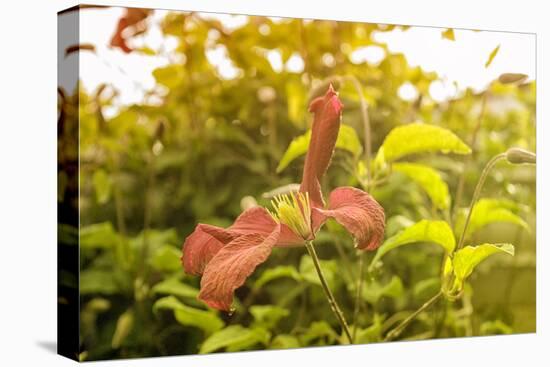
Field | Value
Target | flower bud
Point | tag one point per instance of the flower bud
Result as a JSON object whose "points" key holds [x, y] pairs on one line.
{"points": [[321, 88], [519, 156], [511, 78]]}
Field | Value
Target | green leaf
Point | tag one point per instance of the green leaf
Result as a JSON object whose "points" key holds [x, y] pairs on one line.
{"points": [[320, 332], [102, 186], [99, 235], [448, 34], [97, 281], [487, 211], [296, 100], [467, 258], [175, 287], [419, 138], [170, 75], [167, 258], [147, 51], [429, 180], [373, 291], [427, 287], [495, 327], [284, 341], [492, 56], [309, 273], [208, 321], [431, 231], [347, 140], [276, 273], [267, 315], [123, 327], [371, 334], [234, 337]]}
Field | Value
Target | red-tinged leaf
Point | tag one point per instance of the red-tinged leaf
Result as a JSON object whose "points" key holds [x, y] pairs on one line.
{"points": [[324, 132], [198, 249], [231, 266], [359, 213]]}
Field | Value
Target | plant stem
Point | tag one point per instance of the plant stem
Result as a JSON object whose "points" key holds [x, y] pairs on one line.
{"points": [[468, 159], [358, 293], [477, 192], [366, 123], [328, 293], [399, 328], [368, 154]]}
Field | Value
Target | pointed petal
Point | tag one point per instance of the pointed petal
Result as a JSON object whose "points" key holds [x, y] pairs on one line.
{"points": [[362, 216], [254, 220], [324, 132], [198, 249], [231, 266], [258, 220]]}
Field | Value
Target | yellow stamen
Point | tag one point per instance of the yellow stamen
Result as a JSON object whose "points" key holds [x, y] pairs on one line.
{"points": [[294, 210]]}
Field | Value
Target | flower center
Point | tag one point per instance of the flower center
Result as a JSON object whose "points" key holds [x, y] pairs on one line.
{"points": [[294, 210]]}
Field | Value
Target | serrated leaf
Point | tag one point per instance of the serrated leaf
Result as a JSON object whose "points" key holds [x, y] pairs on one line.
{"points": [[419, 138], [430, 231], [466, 259], [208, 321], [429, 180], [347, 140], [175, 287], [234, 337], [276, 273], [267, 315], [492, 56], [487, 211]]}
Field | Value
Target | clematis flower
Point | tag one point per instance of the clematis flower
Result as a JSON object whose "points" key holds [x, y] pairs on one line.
{"points": [[226, 257]]}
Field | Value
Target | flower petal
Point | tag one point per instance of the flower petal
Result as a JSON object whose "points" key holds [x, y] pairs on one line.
{"points": [[198, 249], [324, 132], [258, 220], [231, 266], [359, 213], [254, 220]]}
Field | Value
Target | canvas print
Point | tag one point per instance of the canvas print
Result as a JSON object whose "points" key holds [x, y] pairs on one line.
{"points": [[232, 183]]}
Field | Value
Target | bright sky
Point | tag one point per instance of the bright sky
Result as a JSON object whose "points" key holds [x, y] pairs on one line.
{"points": [[460, 63]]}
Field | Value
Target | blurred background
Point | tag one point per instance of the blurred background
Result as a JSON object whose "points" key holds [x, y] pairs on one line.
{"points": [[185, 118]]}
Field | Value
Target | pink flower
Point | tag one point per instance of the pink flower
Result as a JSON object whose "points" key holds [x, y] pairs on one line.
{"points": [[227, 256]]}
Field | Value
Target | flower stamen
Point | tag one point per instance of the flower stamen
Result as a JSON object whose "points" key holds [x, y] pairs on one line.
{"points": [[294, 210]]}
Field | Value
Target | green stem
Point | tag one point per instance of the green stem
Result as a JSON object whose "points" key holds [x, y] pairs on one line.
{"points": [[476, 194], [399, 328], [366, 122], [358, 293], [328, 293], [468, 159], [368, 154]]}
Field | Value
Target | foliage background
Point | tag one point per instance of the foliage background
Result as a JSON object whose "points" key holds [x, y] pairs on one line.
{"points": [[152, 171]]}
